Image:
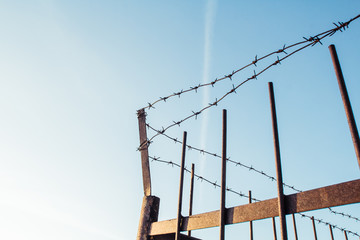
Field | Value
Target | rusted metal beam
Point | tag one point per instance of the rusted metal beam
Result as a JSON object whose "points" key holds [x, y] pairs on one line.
{"points": [[279, 179], [144, 152], [330, 196], [179, 216], [346, 102], [171, 236], [149, 213], [223, 179]]}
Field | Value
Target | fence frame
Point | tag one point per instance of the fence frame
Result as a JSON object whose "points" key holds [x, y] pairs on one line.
{"points": [[324, 197]]}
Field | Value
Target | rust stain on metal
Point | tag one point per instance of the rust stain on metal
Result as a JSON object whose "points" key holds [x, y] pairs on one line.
{"points": [[149, 213], [144, 153], [279, 179], [330, 196], [346, 101], [181, 184]]}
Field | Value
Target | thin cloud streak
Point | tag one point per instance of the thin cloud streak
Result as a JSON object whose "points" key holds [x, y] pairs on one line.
{"points": [[210, 15]]}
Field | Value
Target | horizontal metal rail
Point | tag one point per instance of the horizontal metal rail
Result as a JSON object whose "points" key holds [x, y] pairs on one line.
{"points": [[330, 196], [171, 236]]}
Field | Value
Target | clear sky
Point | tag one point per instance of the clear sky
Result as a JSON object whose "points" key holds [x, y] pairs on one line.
{"points": [[74, 73]]}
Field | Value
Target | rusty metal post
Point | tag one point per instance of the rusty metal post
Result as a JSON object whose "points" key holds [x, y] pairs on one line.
{"points": [[281, 204], [346, 238], [149, 213], [250, 222], [191, 192], [178, 225], [144, 152], [331, 232], [274, 228], [314, 228], [223, 179], [346, 102], [295, 230]]}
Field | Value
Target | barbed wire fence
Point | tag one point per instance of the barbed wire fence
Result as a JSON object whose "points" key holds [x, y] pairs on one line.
{"points": [[250, 168], [239, 193], [280, 55]]}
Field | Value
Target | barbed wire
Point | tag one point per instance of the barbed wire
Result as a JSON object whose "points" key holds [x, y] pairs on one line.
{"points": [[339, 26], [344, 214], [250, 168], [329, 224], [312, 41], [216, 185]]}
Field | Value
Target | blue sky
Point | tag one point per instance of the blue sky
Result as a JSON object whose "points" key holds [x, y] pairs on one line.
{"points": [[73, 74]]}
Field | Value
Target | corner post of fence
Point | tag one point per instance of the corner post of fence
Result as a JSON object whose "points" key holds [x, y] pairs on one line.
{"points": [[346, 102], [149, 213], [223, 179], [191, 192], [182, 166], [250, 222], [281, 202], [144, 152]]}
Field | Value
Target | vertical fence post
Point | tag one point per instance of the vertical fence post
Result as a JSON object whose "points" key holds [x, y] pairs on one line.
{"points": [[346, 238], [314, 228], [346, 102], [144, 152], [223, 179], [149, 213], [178, 225], [250, 222], [295, 230], [191, 192], [274, 228], [331, 232], [281, 203]]}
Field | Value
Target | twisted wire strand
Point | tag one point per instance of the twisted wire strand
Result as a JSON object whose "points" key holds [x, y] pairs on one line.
{"points": [[312, 41], [250, 168], [201, 178], [329, 224], [339, 26], [320, 221]]}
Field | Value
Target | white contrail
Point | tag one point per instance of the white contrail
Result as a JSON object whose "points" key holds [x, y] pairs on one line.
{"points": [[209, 24]]}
